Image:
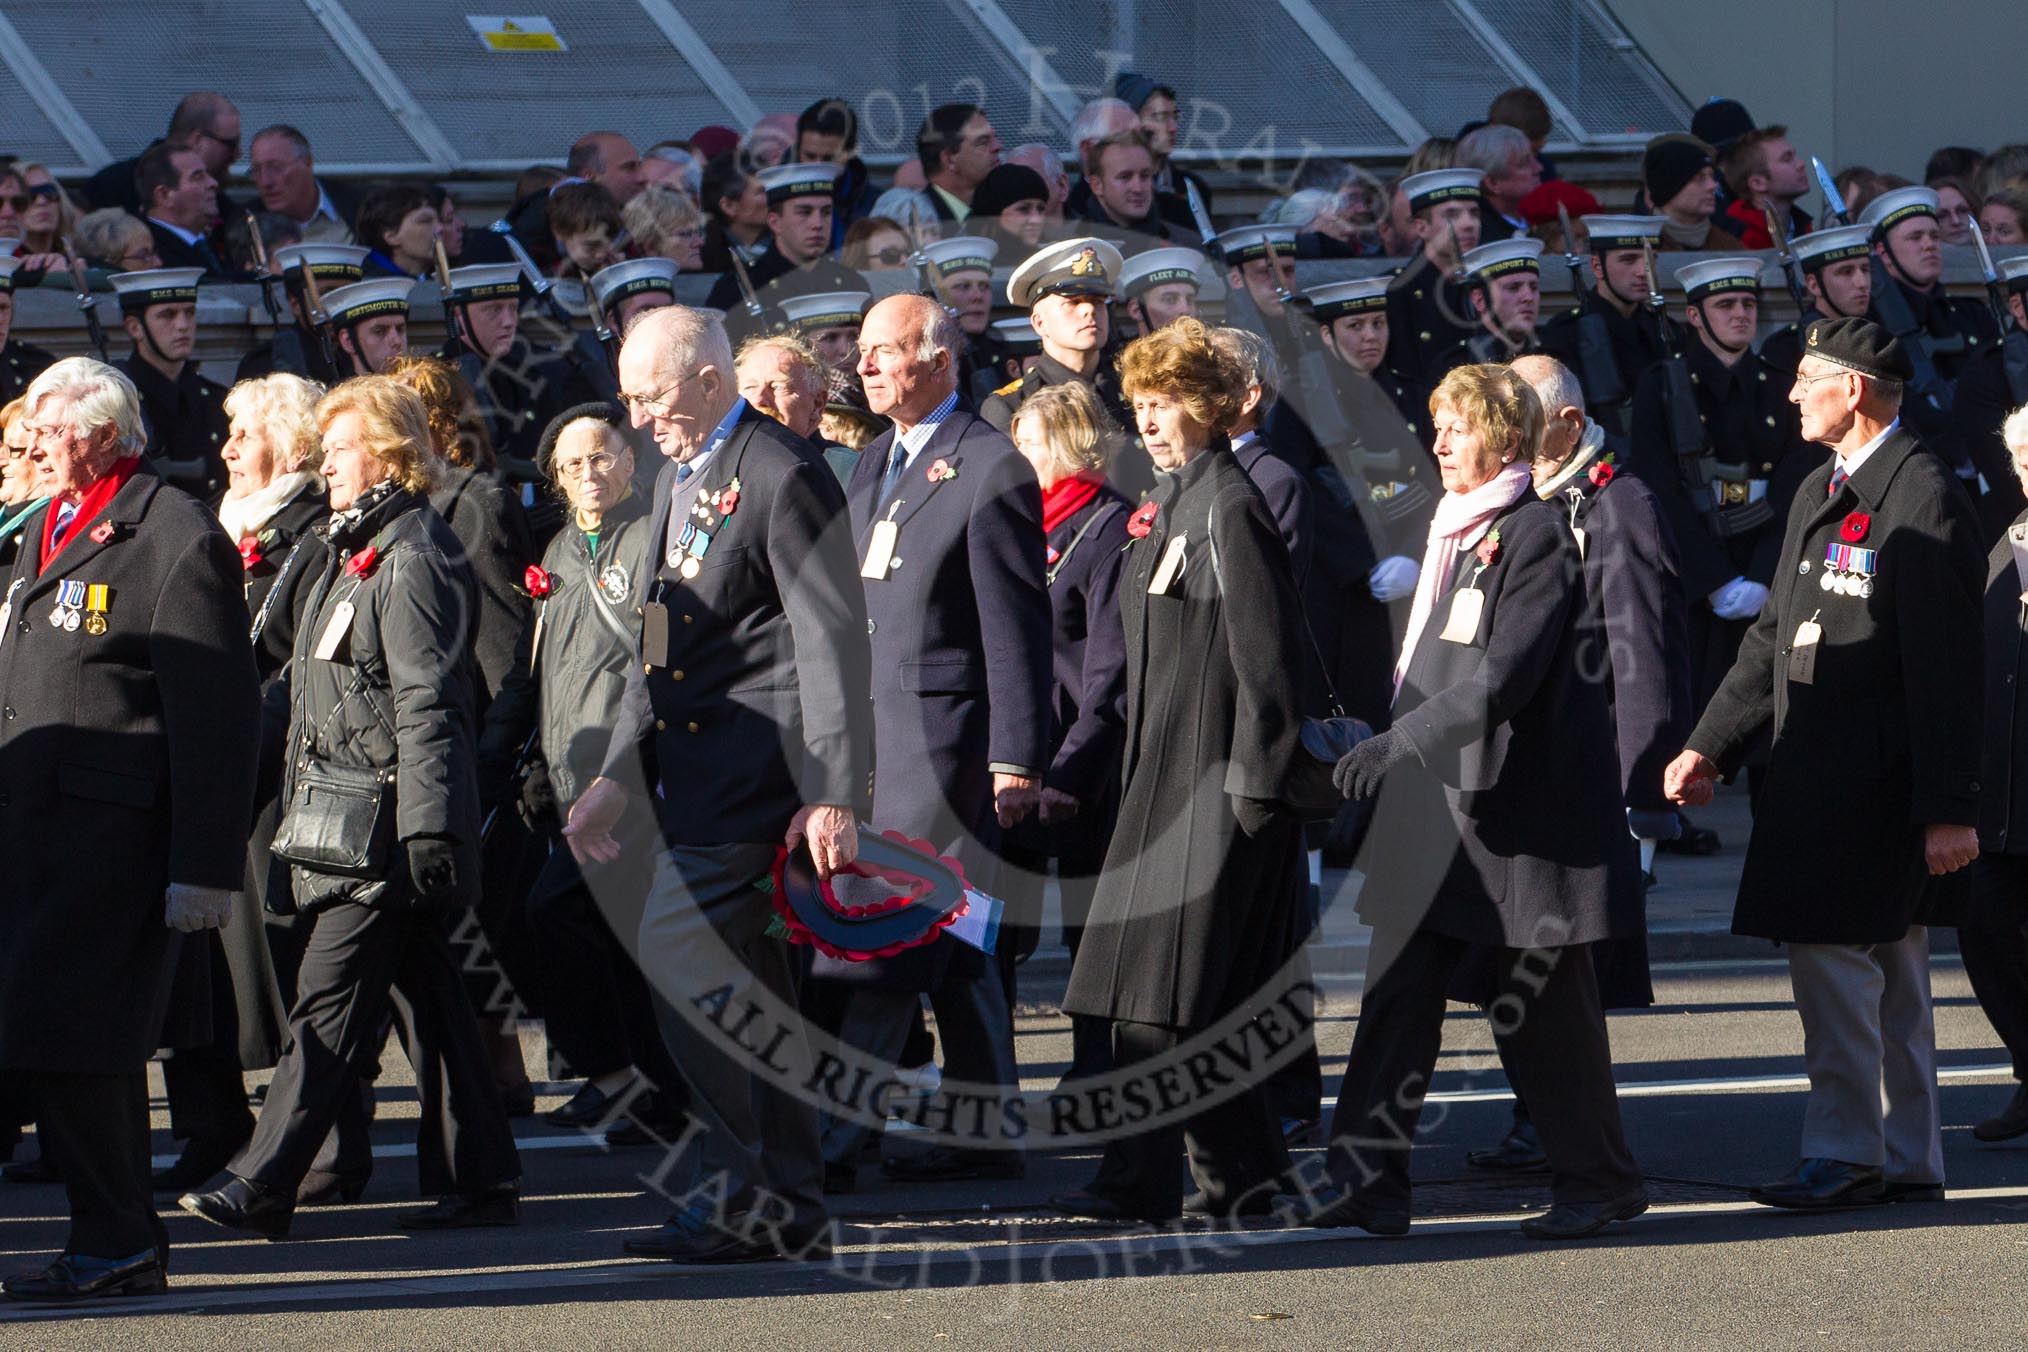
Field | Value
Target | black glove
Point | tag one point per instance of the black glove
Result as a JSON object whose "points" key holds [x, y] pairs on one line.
{"points": [[433, 869], [1362, 769], [538, 795]]}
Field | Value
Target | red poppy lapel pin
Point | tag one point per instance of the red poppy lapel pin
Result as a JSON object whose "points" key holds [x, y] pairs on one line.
{"points": [[361, 565], [103, 532], [250, 556], [1142, 521], [538, 581], [1855, 527], [1489, 548], [1602, 473], [941, 469]]}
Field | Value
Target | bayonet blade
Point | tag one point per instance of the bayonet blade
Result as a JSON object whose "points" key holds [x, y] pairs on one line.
{"points": [[1834, 201]]}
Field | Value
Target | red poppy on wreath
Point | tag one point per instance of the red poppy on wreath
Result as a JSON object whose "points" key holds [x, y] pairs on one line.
{"points": [[1855, 528], [361, 564], [250, 556], [102, 532], [1489, 548], [1602, 473], [538, 581], [1142, 521]]}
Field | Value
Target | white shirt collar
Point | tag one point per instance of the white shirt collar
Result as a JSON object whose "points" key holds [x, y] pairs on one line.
{"points": [[1850, 464], [187, 236], [324, 207], [915, 437], [719, 433]]}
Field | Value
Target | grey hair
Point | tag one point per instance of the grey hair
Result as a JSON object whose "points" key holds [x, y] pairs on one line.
{"points": [[689, 169], [1256, 359], [285, 407], [1300, 208], [1493, 148], [690, 340], [1099, 119], [908, 208], [1551, 380], [2014, 432], [940, 333], [98, 394], [102, 234]]}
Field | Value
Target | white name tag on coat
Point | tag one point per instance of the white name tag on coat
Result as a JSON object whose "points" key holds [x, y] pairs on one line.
{"points": [[1582, 540], [880, 550], [1169, 569], [655, 634], [335, 629], [1803, 653], [1463, 624], [2017, 540]]}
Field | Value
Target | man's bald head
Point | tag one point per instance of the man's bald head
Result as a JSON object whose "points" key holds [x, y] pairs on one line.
{"points": [[1562, 404], [908, 357]]}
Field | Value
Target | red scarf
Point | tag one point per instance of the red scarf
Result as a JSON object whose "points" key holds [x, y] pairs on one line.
{"points": [[1065, 498], [90, 505]]}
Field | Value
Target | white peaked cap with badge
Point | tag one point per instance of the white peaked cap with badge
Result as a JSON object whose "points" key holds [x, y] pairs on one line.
{"points": [[1075, 267]]}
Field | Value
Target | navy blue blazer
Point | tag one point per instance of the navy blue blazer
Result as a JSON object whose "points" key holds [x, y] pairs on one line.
{"points": [[959, 627]]}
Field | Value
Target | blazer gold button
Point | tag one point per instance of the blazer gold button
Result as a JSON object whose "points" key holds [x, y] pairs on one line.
{"points": [[688, 620], [661, 726], [647, 668], [692, 727], [675, 675]]}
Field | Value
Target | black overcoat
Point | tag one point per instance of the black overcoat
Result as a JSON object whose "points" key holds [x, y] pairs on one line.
{"points": [[1885, 738], [1200, 900], [126, 763], [2003, 773], [491, 531], [1088, 671], [1506, 827]]}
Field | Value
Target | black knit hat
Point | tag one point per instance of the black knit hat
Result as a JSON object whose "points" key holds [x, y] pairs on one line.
{"points": [[612, 415], [1860, 345], [1005, 185], [1669, 164], [1721, 122]]}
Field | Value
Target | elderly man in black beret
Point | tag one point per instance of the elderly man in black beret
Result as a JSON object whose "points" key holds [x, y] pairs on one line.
{"points": [[1865, 661]]}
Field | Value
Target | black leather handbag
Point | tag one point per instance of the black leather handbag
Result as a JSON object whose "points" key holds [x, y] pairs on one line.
{"points": [[340, 821]]}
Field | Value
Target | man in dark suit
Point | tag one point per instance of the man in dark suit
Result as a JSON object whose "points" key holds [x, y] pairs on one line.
{"points": [[127, 778], [750, 705], [947, 517], [204, 120], [1864, 662], [179, 200]]}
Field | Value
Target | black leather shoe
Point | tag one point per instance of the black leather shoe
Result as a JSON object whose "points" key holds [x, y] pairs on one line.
{"points": [[1820, 1184], [1519, 1151], [41, 1169], [1337, 1208], [319, 1188], [588, 1107], [243, 1205], [201, 1161], [1906, 1191], [695, 1236], [2009, 1122], [77, 1276], [1096, 1206], [944, 1164], [495, 1206], [1582, 1220]]}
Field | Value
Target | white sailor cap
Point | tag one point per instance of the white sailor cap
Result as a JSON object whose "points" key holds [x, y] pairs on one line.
{"points": [[1821, 248], [826, 309], [784, 181], [1335, 300], [1441, 185], [1519, 254], [1074, 267], [2014, 272], [369, 299], [1248, 242], [623, 281], [1712, 276], [1160, 267], [155, 286], [1017, 336], [485, 281], [1621, 232], [961, 253], [336, 264], [1896, 205]]}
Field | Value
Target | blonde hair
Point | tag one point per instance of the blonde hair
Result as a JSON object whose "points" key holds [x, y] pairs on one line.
{"points": [[457, 428], [284, 406], [657, 214], [1074, 427], [1180, 360], [394, 424], [1501, 407]]}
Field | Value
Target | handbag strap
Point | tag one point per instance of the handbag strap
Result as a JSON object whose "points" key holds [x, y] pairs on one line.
{"points": [[1316, 649], [1049, 578]]}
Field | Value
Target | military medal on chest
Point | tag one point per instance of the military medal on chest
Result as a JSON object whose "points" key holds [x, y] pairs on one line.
{"points": [[708, 514], [68, 613], [1848, 569]]}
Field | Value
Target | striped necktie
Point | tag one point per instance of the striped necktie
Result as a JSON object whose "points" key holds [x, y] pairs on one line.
{"points": [[1838, 478]]}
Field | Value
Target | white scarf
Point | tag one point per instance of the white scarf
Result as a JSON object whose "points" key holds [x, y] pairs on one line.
{"points": [[1588, 447], [1461, 521], [245, 516]]}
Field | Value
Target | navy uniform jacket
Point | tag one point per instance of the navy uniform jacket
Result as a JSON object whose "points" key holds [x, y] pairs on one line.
{"points": [[510, 389], [126, 763], [20, 363], [758, 706], [1132, 473], [1633, 344], [1984, 399], [960, 633], [1884, 738], [1286, 494], [1427, 315], [775, 279], [1747, 419], [186, 423]]}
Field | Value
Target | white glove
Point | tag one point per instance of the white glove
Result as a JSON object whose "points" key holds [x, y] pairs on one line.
{"points": [[1393, 578], [191, 909], [1749, 600]]}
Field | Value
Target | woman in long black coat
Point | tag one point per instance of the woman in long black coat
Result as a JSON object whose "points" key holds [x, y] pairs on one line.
{"points": [[1065, 433], [381, 680], [1468, 849], [1200, 901]]}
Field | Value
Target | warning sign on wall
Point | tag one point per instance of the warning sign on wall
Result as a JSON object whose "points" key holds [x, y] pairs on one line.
{"points": [[516, 33]]}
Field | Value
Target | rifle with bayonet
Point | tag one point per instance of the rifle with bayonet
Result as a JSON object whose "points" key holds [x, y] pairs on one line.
{"points": [[87, 302], [454, 336], [320, 320], [545, 288], [1892, 307], [1598, 365], [1206, 231], [748, 296], [1785, 254], [2013, 339], [286, 348], [602, 327]]}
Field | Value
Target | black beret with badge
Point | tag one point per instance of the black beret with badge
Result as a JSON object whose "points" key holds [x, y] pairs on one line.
{"points": [[1860, 345]]}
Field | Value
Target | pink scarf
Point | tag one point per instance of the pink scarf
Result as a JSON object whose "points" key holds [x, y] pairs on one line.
{"points": [[1461, 520]]}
